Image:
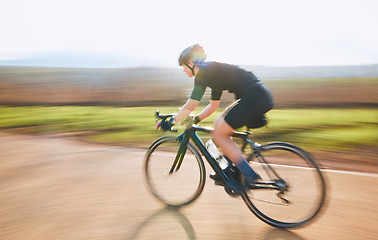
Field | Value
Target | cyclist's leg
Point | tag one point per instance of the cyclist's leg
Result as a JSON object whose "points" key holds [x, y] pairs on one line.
{"points": [[222, 136], [255, 104]]}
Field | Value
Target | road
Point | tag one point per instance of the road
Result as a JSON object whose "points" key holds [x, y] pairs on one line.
{"points": [[57, 188]]}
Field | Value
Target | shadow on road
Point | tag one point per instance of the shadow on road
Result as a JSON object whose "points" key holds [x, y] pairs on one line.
{"points": [[168, 218], [170, 223], [281, 234]]}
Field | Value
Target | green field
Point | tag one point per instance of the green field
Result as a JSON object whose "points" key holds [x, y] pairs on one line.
{"points": [[342, 130]]}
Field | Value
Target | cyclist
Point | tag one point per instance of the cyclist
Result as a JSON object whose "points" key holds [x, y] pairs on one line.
{"points": [[253, 100]]}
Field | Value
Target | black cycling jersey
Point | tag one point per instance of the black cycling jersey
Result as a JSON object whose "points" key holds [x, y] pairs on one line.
{"points": [[254, 99], [220, 77]]}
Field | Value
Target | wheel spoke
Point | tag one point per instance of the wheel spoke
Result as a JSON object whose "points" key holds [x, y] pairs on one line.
{"points": [[182, 185], [294, 189]]}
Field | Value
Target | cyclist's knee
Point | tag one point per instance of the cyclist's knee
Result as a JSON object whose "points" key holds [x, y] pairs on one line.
{"points": [[218, 122], [221, 129]]}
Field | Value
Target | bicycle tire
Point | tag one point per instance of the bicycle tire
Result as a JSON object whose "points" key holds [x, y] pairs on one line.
{"points": [[181, 187], [306, 191]]}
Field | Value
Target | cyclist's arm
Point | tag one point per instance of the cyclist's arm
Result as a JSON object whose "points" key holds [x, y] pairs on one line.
{"points": [[193, 101], [188, 107], [212, 107]]}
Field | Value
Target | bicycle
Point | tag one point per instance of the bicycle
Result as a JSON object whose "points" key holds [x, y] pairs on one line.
{"points": [[290, 194]]}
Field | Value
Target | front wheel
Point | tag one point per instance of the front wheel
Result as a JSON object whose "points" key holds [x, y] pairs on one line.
{"points": [[181, 186], [298, 186]]}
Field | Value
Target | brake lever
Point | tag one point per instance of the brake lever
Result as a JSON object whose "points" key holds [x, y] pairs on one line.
{"points": [[157, 114]]}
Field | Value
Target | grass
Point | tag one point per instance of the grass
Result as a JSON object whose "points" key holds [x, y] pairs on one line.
{"points": [[342, 130]]}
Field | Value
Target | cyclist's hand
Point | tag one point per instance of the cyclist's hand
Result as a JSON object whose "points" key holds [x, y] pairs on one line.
{"points": [[186, 120], [189, 119], [165, 125]]}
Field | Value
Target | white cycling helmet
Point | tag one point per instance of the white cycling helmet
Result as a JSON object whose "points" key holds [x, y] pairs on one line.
{"points": [[194, 53]]}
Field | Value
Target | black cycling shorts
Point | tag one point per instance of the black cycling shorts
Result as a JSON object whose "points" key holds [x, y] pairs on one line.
{"points": [[250, 109]]}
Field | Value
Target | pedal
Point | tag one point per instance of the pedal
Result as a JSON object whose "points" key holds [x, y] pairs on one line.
{"points": [[218, 183], [233, 189]]}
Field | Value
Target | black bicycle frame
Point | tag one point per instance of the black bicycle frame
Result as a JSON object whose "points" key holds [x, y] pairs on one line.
{"points": [[191, 133]]}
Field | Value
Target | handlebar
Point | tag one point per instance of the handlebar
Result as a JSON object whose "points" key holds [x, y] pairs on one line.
{"points": [[162, 117], [189, 120]]}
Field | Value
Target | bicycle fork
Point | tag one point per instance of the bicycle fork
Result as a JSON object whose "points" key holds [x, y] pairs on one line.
{"points": [[180, 153]]}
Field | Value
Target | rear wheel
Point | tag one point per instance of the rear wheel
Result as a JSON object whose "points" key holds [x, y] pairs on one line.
{"points": [[182, 186], [299, 192]]}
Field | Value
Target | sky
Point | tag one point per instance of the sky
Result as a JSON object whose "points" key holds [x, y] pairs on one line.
{"points": [[250, 32]]}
